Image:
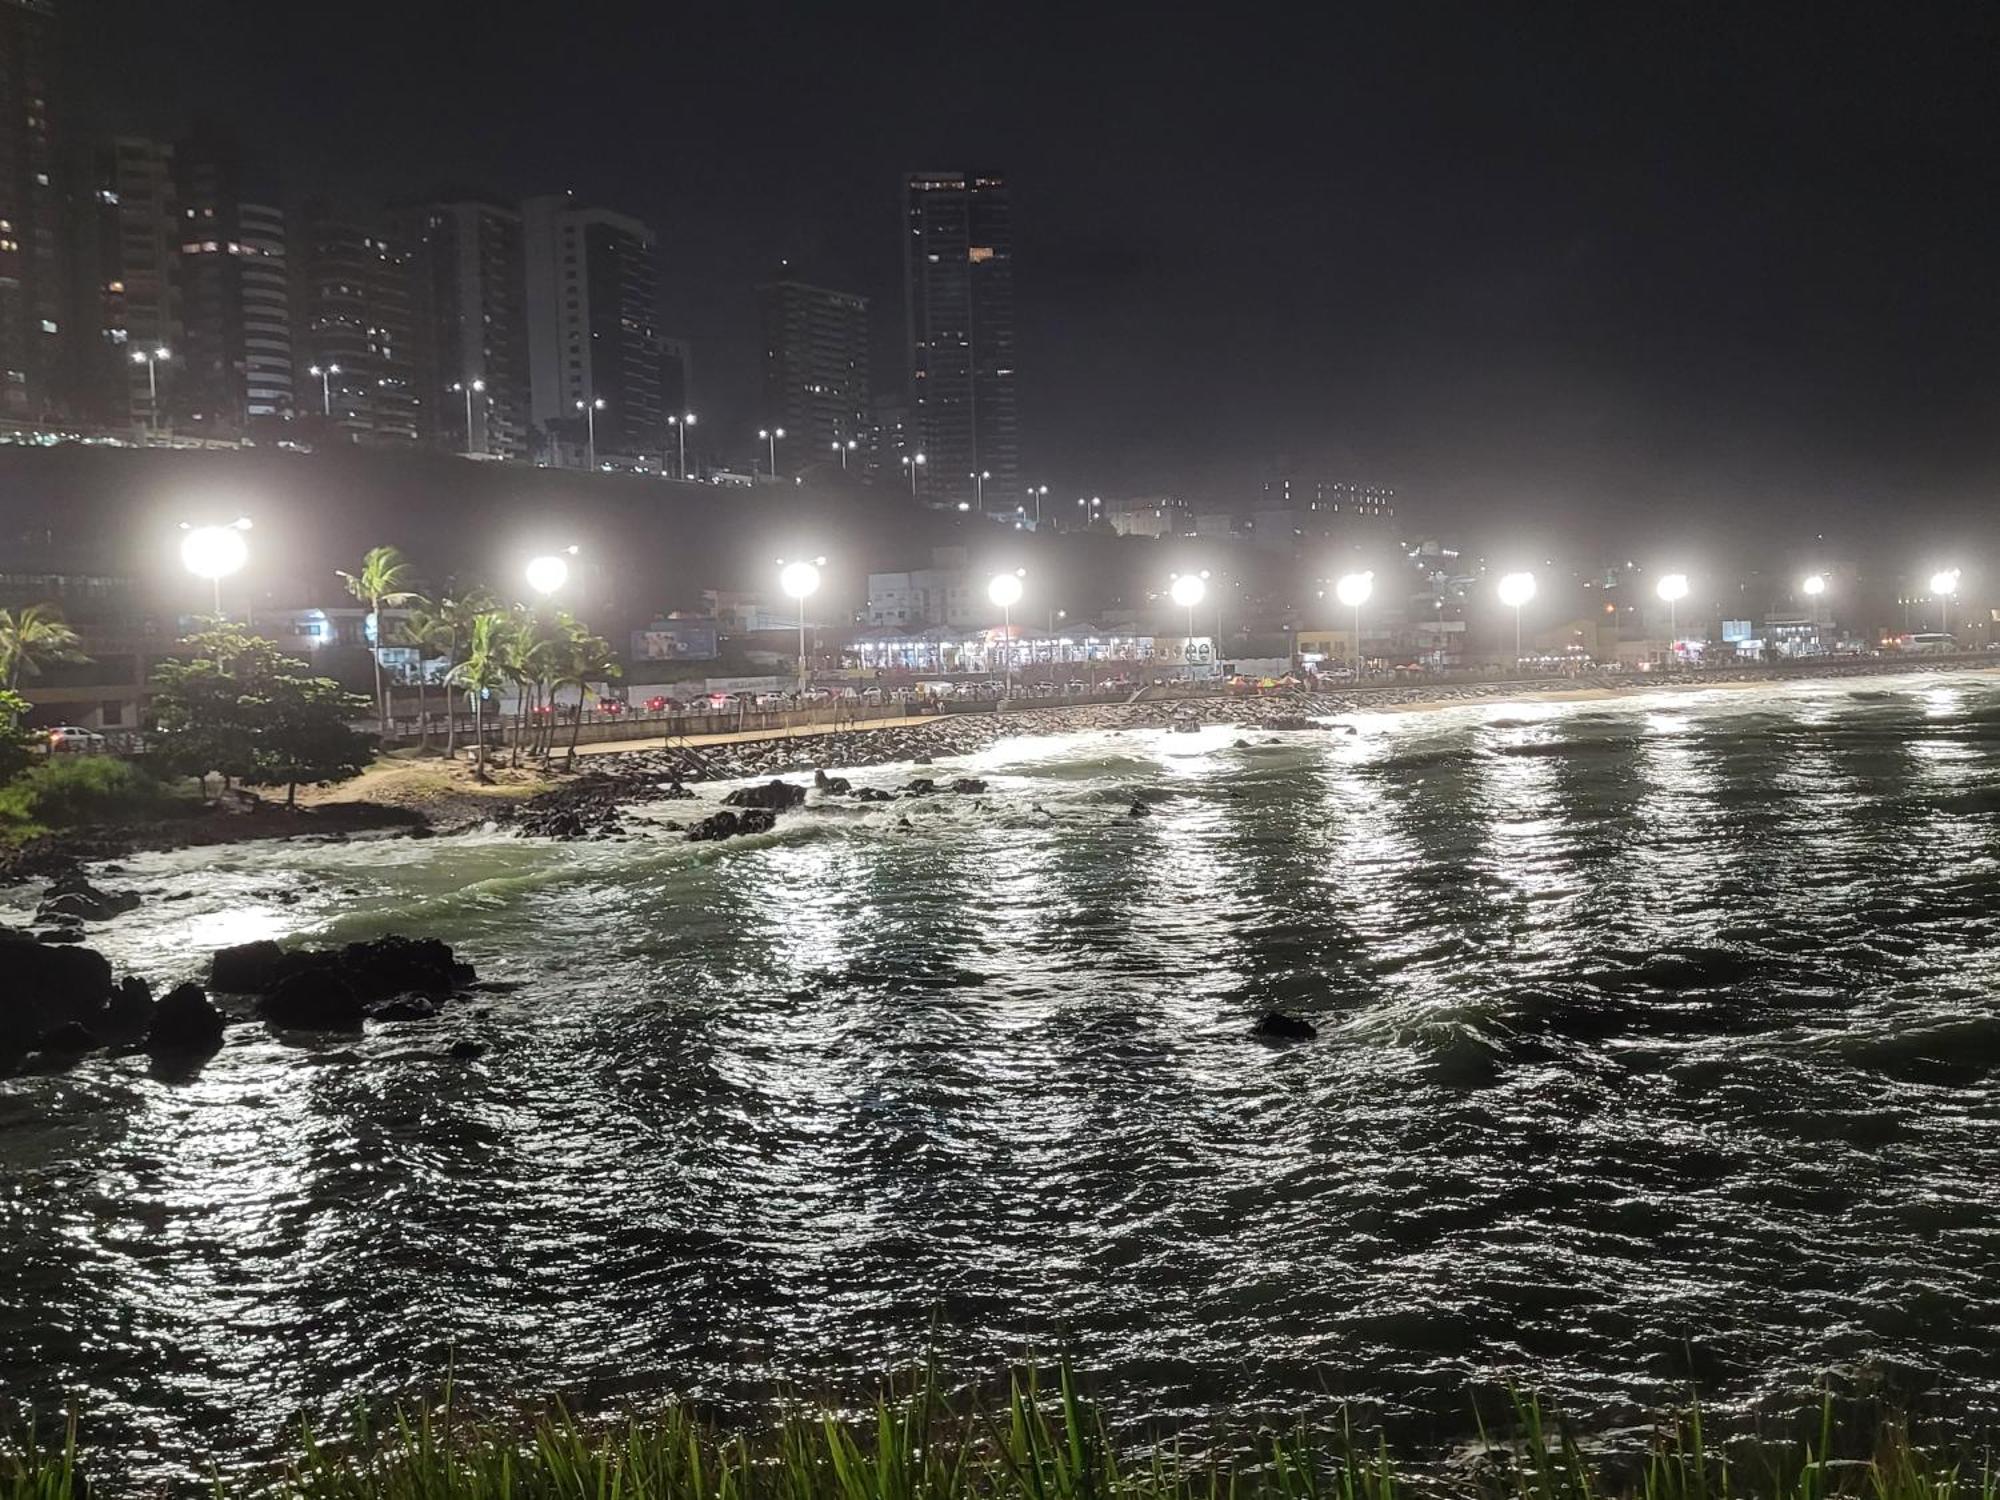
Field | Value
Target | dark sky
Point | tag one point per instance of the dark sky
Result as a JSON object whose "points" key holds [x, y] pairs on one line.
{"points": [[1582, 264]]}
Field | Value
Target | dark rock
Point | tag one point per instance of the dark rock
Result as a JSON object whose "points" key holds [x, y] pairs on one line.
{"points": [[968, 785], [920, 787], [874, 794], [130, 1010], [71, 895], [920, 760], [774, 795], [59, 935], [467, 1051], [245, 969], [178, 896], [393, 965], [725, 825], [70, 1039], [1277, 1024], [1138, 810], [409, 1008], [1185, 725], [421, 831], [42, 986], [315, 999], [184, 1022]]}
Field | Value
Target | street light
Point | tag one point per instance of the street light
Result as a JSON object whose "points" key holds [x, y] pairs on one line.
{"points": [[548, 572], [1673, 588], [469, 387], [325, 374], [1188, 590], [1517, 589], [798, 579], [680, 425], [590, 409], [151, 358], [913, 464], [1353, 591], [1944, 584], [770, 436], [1040, 494], [979, 479], [214, 552], [1005, 591]]}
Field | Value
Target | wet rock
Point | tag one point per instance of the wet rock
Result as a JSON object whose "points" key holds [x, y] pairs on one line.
{"points": [[70, 895], [129, 1011], [70, 1039], [59, 935], [724, 825], [245, 968], [1281, 1027], [1287, 721], [184, 1022], [874, 794], [968, 785], [408, 1008], [774, 795], [832, 786], [315, 999], [920, 760], [922, 786], [467, 1051], [45, 986], [1138, 810], [1186, 724]]}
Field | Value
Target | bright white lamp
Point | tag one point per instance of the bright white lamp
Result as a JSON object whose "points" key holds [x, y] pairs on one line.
{"points": [[548, 573]]}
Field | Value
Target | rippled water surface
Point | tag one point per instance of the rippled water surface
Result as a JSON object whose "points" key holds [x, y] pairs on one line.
{"points": [[1658, 1040]]}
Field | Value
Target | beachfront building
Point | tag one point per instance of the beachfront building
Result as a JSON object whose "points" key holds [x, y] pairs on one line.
{"points": [[945, 651]]}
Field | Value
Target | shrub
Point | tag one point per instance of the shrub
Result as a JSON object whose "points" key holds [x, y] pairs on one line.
{"points": [[65, 791]]}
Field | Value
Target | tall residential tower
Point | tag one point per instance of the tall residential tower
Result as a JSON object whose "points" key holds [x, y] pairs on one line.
{"points": [[958, 293], [816, 371]]}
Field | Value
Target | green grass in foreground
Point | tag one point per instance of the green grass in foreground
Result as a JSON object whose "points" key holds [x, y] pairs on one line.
{"points": [[1039, 1446]]}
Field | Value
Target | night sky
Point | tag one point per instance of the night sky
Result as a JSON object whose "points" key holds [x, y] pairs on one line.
{"points": [[1614, 267]]}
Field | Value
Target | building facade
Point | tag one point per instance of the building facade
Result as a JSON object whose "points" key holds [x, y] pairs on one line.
{"points": [[958, 293], [32, 292], [358, 358], [470, 296], [593, 333], [142, 177], [816, 372]]}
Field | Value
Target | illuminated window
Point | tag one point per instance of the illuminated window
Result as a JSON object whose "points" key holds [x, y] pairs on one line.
{"points": [[981, 253]]}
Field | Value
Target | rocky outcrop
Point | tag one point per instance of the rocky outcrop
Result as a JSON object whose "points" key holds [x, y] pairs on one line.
{"points": [[1278, 1026], [725, 824], [966, 785], [773, 796], [72, 897], [874, 794], [315, 999], [333, 987], [46, 986], [184, 1024], [245, 968], [831, 786]]}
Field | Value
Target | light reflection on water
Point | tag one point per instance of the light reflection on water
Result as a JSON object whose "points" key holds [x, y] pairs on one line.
{"points": [[1657, 1039]]}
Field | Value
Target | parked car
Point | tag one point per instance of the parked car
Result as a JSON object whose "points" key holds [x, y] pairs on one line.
{"points": [[74, 739]]}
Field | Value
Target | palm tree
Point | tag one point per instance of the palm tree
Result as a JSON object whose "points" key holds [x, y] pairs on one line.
{"points": [[459, 611], [588, 656], [33, 638], [385, 578], [479, 671], [429, 629]]}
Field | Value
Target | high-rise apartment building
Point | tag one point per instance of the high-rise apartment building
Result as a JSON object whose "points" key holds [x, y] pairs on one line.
{"points": [[816, 370], [470, 291], [142, 178], [593, 332], [358, 358], [32, 295], [958, 292], [233, 368]]}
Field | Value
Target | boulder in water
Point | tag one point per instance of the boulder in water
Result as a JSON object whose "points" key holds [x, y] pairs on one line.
{"points": [[72, 897], [46, 985], [69, 1040], [313, 999], [1138, 810], [184, 1022], [968, 784], [922, 786], [773, 795], [874, 794], [246, 968], [129, 1011], [1281, 1027]]}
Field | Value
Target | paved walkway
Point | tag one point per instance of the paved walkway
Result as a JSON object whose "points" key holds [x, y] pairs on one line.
{"points": [[741, 737]]}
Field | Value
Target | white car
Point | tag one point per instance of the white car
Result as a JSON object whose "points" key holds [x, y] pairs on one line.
{"points": [[74, 739]]}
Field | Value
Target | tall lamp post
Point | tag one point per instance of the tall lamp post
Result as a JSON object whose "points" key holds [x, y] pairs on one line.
{"points": [[770, 435], [1041, 493], [1944, 584], [1353, 591], [590, 409], [214, 552], [1005, 591], [325, 374], [1516, 589], [549, 572], [1673, 588], [1814, 588], [681, 424], [469, 387], [151, 358], [913, 462], [800, 579], [1187, 590], [979, 478], [841, 450]]}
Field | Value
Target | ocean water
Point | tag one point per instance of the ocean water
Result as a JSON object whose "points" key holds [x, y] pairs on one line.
{"points": [[1658, 1045]]}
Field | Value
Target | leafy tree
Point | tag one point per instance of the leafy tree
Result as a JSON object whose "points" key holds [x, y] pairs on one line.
{"points": [[386, 578], [17, 746], [30, 639], [241, 707], [458, 610], [429, 629], [585, 656]]}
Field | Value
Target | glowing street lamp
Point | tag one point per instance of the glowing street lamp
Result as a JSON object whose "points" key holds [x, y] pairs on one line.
{"points": [[214, 552], [151, 358], [469, 387], [1353, 591], [799, 579], [1673, 588], [680, 425], [325, 374], [1005, 591], [979, 478], [770, 435], [590, 409], [1187, 590], [1517, 589], [1040, 493], [913, 463], [548, 572], [1813, 585], [1944, 585], [843, 449]]}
